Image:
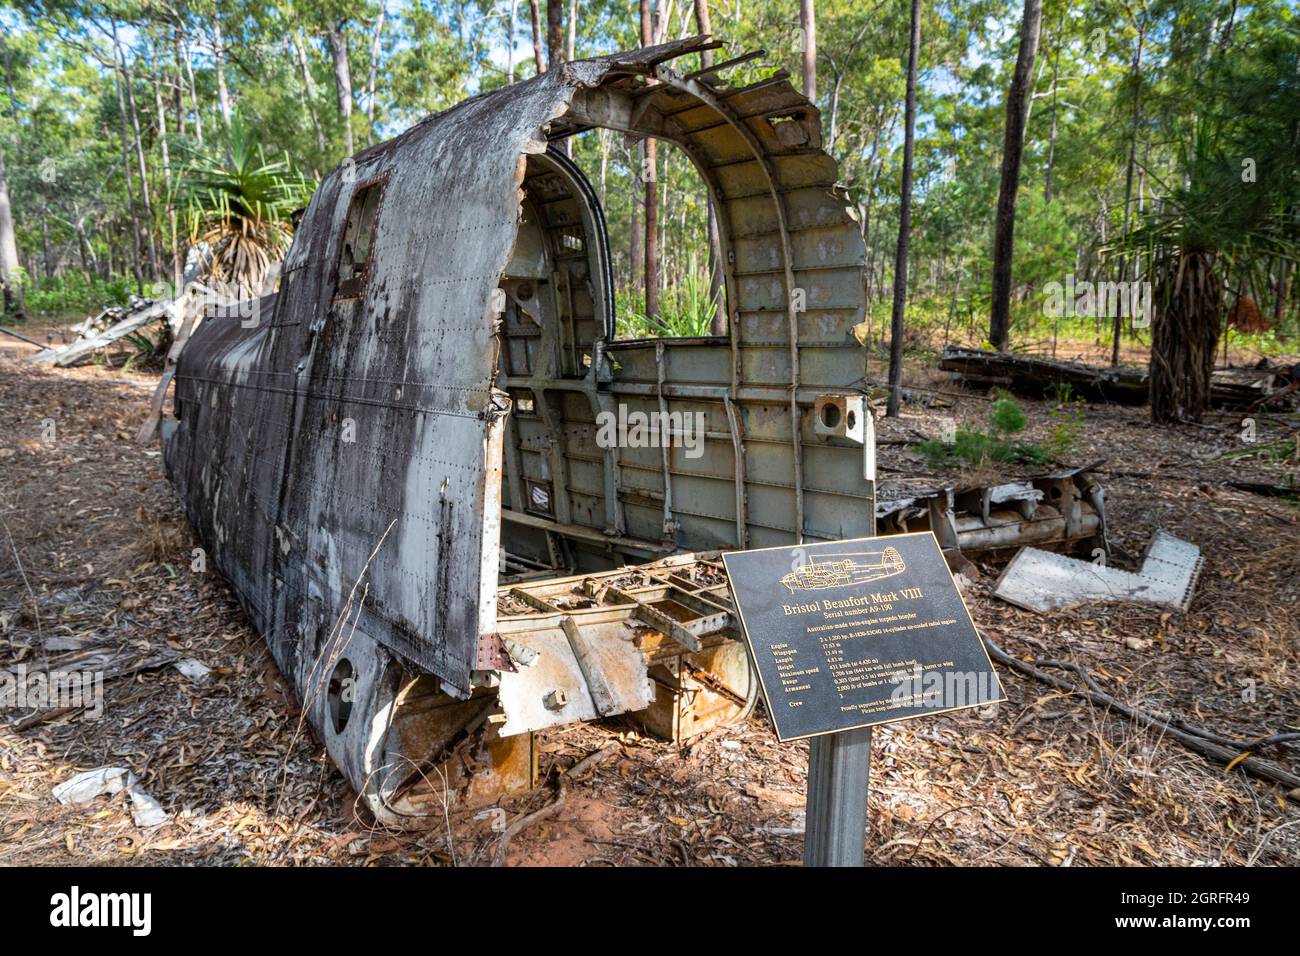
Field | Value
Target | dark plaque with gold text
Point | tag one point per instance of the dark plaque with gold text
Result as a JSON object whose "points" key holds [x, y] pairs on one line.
{"points": [[846, 634]]}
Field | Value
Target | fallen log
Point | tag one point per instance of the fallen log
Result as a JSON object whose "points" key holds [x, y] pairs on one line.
{"points": [[1034, 376], [1281, 490]]}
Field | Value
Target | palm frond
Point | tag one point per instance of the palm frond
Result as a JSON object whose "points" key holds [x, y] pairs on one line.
{"points": [[240, 203]]}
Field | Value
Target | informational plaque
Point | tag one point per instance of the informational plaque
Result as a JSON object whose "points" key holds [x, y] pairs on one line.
{"points": [[847, 634]]}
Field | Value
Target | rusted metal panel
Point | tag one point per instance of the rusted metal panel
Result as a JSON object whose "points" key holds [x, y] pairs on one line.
{"points": [[549, 690], [697, 692], [584, 645]]}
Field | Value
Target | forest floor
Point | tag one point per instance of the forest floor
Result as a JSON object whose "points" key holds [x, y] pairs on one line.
{"points": [[95, 568]]}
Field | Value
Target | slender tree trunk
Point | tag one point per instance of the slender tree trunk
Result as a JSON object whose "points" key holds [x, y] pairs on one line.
{"points": [[1033, 85], [651, 179], [555, 48], [218, 59], [1118, 326], [651, 231], [1013, 146], [371, 80], [1051, 138], [303, 106], [179, 104], [1188, 293], [338, 40], [47, 260], [1282, 290], [309, 87], [89, 262], [571, 45], [808, 24], [167, 181], [130, 187], [194, 97], [636, 254], [155, 262], [717, 286], [539, 54], [904, 220], [155, 265], [868, 209], [554, 34], [602, 140], [833, 126], [9, 276]]}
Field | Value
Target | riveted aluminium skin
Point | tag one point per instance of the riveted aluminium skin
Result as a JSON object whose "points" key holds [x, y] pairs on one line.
{"points": [[345, 458]]}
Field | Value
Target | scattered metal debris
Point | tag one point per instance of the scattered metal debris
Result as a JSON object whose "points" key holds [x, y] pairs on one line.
{"points": [[198, 293], [88, 785], [195, 670], [1063, 510], [92, 339], [1042, 581]]}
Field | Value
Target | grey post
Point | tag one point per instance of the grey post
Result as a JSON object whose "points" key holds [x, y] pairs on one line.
{"points": [[839, 768]]}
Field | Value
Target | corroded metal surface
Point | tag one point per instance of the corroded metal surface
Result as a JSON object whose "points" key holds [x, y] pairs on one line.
{"points": [[415, 413], [1062, 510], [588, 646], [434, 362]]}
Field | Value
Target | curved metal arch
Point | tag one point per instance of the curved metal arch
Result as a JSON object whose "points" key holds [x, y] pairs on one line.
{"points": [[590, 206], [671, 132], [706, 96]]}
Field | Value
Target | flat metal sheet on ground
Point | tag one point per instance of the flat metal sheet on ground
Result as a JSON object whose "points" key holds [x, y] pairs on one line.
{"points": [[1044, 581], [853, 633]]}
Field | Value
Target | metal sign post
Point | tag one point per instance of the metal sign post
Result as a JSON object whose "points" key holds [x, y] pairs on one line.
{"points": [[847, 634], [835, 826]]}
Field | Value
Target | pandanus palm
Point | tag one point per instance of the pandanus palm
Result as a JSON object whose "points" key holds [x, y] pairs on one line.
{"points": [[1228, 219], [239, 204]]}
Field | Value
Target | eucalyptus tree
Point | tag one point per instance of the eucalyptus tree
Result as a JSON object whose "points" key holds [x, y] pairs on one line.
{"points": [[1018, 101]]}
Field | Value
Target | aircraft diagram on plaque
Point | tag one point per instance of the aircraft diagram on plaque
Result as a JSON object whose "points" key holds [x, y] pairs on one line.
{"points": [[816, 575]]}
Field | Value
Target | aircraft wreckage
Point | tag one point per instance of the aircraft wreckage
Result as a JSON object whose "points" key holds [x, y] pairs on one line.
{"points": [[396, 468]]}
